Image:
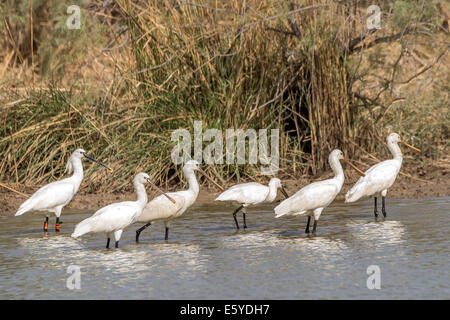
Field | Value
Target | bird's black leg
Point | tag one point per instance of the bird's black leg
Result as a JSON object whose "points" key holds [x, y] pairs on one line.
{"points": [[375, 211], [117, 244], [383, 208], [167, 234], [46, 224], [234, 216], [57, 227], [107, 243], [245, 223], [314, 226], [307, 224], [138, 231]]}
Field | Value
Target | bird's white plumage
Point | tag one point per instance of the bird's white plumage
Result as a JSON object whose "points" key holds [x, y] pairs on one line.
{"points": [[161, 208], [380, 177], [114, 218], [251, 193], [247, 193], [315, 196], [54, 196]]}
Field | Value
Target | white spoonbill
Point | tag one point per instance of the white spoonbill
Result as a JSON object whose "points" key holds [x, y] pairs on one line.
{"points": [[315, 197], [161, 209], [114, 218], [54, 196], [252, 193], [380, 177]]}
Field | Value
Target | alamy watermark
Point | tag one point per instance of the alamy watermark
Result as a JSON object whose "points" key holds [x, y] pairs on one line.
{"points": [[374, 279], [74, 20], [374, 21], [74, 280], [262, 146]]}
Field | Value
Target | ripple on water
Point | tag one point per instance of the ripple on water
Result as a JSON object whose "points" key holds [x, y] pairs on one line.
{"points": [[206, 258]]}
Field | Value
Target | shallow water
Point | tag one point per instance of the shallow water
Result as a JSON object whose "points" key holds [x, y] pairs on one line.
{"points": [[205, 258]]}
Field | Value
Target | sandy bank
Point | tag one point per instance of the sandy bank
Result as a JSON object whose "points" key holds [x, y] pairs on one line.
{"points": [[430, 182]]}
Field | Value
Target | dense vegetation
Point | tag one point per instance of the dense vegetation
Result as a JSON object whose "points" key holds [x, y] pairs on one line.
{"points": [[137, 70]]}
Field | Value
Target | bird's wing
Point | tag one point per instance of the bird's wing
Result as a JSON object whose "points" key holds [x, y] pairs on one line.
{"points": [[250, 193], [161, 208], [377, 178], [52, 195], [315, 195], [113, 217], [245, 185]]}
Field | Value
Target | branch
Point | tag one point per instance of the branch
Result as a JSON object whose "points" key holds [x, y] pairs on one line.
{"points": [[382, 39], [293, 24], [424, 69], [357, 40], [15, 191], [288, 33], [277, 96]]}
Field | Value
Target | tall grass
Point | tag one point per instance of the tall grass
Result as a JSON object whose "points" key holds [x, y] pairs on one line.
{"points": [[229, 68], [231, 64]]}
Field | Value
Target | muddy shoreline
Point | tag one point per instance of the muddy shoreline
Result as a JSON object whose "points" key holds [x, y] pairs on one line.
{"points": [[420, 183]]}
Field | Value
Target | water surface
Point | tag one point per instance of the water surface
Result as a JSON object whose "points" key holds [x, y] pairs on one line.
{"points": [[205, 258]]}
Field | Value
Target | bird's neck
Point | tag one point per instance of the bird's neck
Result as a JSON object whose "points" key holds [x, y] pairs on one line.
{"points": [[192, 181], [78, 173], [396, 151], [272, 193], [141, 193], [337, 169]]}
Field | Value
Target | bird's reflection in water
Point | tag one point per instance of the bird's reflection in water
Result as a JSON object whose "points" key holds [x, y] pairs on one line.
{"points": [[132, 260], [260, 245], [377, 233]]}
